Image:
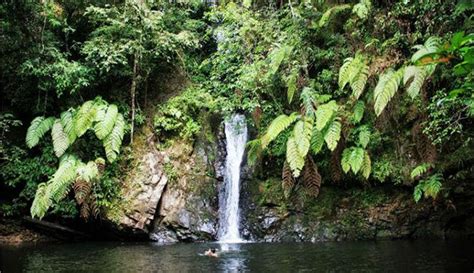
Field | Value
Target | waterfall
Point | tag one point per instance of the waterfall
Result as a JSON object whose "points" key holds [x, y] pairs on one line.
{"points": [[236, 138]]}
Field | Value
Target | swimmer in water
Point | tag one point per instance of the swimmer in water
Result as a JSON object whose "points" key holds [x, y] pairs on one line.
{"points": [[211, 252]]}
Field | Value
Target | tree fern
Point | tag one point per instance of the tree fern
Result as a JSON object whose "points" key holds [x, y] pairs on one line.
{"points": [[325, 113], [278, 125], [60, 138], [85, 117], [333, 134], [295, 160], [386, 88], [104, 125], [113, 141], [38, 128]]}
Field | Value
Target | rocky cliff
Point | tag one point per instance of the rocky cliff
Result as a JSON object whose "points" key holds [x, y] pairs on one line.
{"points": [[172, 196]]}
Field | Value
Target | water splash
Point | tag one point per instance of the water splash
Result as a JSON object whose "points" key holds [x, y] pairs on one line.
{"points": [[236, 138]]}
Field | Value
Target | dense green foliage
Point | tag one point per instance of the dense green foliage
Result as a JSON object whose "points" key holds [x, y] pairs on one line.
{"points": [[347, 92]]}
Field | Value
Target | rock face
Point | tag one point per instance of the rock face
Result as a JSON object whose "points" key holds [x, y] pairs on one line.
{"points": [[344, 216], [188, 207], [145, 186]]}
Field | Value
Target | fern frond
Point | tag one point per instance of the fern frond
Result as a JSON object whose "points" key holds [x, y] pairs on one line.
{"points": [[278, 125], [291, 84], [295, 160], [345, 73], [308, 100], [333, 134], [323, 21], [85, 211], [85, 117], [345, 160], [288, 181], [303, 129], [254, 148], [38, 128], [386, 88], [113, 141], [67, 120], [354, 71], [357, 159], [62, 179], [359, 76], [420, 169], [358, 112], [60, 138], [325, 113], [87, 172], [366, 166], [82, 190], [415, 76], [433, 185], [431, 46], [41, 203], [364, 136], [353, 159], [277, 56], [105, 124], [311, 177], [317, 140]]}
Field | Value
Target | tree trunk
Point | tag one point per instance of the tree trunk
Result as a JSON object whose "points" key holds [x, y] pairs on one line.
{"points": [[133, 89]]}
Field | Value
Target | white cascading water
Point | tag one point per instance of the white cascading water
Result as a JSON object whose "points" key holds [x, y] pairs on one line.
{"points": [[236, 138]]}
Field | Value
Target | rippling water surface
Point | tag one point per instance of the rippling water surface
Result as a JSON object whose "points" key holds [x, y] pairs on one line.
{"points": [[382, 256]]}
